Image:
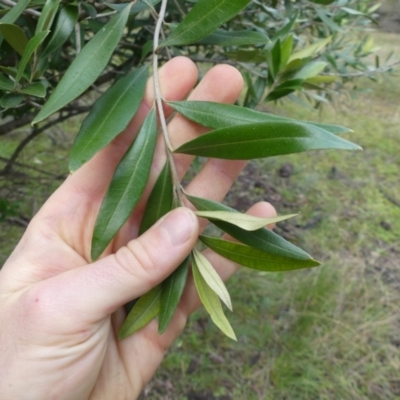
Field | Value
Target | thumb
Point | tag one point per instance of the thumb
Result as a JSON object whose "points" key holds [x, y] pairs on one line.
{"points": [[98, 289]]}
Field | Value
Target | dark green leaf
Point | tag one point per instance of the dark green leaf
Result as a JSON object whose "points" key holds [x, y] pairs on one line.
{"points": [[204, 18], [234, 38], [15, 37], [250, 56], [139, 6], [253, 258], [218, 115], [47, 15], [171, 292], [91, 11], [246, 142], [36, 89], [11, 100], [127, 185], [30, 48], [160, 200], [66, 20], [6, 83], [87, 66], [144, 311], [211, 303], [286, 51], [263, 239], [109, 116]]}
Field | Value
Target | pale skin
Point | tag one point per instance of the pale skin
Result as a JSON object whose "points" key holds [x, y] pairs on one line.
{"points": [[59, 312]]}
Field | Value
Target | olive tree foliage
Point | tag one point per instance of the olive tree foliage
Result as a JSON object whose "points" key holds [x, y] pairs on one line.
{"points": [[55, 53]]}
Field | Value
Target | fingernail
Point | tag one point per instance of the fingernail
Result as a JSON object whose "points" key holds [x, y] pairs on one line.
{"points": [[179, 225]]}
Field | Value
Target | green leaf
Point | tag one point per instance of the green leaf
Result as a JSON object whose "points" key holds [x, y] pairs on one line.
{"points": [[234, 38], [11, 100], [90, 10], [212, 278], [66, 20], [273, 138], [139, 6], [253, 258], [218, 115], [109, 116], [244, 221], [127, 185], [286, 51], [47, 15], [6, 83], [263, 239], [171, 292], [211, 303], [15, 37], [328, 21], [311, 70], [36, 89], [311, 50], [30, 48], [286, 29], [144, 311], [204, 18], [15, 12], [87, 66], [160, 200]]}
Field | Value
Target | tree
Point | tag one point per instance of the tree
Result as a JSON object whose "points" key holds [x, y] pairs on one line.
{"points": [[55, 53]]}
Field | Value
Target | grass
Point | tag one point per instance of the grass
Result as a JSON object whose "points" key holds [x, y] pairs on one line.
{"points": [[327, 333]]}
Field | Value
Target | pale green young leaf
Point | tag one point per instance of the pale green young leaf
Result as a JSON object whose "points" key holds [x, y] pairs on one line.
{"points": [[171, 293], [311, 50], [286, 51], [127, 185], [263, 239], [218, 115], [144, 311], [244, 221], [310, 70], [30, 48], [253, 258], [160, 200], [47, 15], [87, 66], [211, 303], [66, 20], [109, 116], [15, 37], [212, 278], [202, 19], [273, 138]]}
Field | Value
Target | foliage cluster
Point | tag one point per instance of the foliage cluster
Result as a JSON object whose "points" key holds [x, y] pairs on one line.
{"points": [[67, 49]]}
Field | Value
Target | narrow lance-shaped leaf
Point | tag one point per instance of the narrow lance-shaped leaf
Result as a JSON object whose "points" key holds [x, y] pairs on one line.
{"points": [[253, 258], [217, 115], [311, 50], [66, 20], [234, 38], [15, 12], [87, 66], [171, 293], [144, 311], [263, 239], [160, 200], [246, 142], [30, 48], [109, 116], [47, 15], [36, 89], [139, 5], [244, 221], [202, 19], [127, 185], [15, 37], [211, 303], [212, 278]]}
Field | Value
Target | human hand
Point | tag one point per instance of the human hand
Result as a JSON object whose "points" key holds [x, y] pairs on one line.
{"points": [[60, 313]]}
